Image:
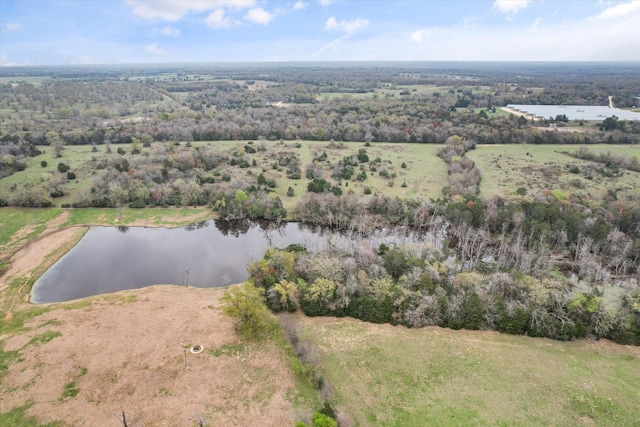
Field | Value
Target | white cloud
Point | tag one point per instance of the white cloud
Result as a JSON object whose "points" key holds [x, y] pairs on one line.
{"points": [[154, 49], [598, 40], [172, 10], [470, 21], [86, 60], [168, 31], [620, 11], [299, 5], [14, 26], [510, 7], [5, 62], [420, 35], [217, 19], [347, 26], [259, 16], [325, 2], [536, 23]]}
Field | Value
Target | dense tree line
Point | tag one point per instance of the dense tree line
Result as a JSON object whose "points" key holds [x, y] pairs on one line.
{"points": [[420, 283], [289, 105]]}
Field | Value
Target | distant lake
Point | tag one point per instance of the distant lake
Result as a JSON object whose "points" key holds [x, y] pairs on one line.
{"points": [[576, 112], [206, 254]]}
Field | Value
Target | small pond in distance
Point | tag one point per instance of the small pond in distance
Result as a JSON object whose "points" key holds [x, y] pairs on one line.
{"points": [[205, 254]]}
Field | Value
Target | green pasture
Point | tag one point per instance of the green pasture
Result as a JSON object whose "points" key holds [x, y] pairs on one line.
{"points": [[388, 91], [34, 80], [424, 176], [77, 157], [505, 168], [394, 376]]}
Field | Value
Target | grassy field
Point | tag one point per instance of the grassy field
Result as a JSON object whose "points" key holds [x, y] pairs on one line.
{"points": [[424, 175], [393, 376], [387, 91], [505, 168]]}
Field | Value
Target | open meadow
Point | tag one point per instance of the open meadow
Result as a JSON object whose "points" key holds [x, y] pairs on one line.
{"points": [[394, 169], [422, 176], [393, 376], [505, 168]]}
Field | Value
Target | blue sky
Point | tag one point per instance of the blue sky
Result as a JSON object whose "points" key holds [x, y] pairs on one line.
{"points": [[46, 32]]}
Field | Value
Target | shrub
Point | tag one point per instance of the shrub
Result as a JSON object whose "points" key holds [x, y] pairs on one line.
{"points": [[319, 419], [62, 168], [318, 185], [245, 304], [372, 310], [71, 175], [362, 156], [43, 163], [315, 298]]}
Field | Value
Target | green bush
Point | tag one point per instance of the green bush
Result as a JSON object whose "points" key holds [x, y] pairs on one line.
{"points": [[319, 185], [245, 304], [62, 168], [372, 310]]}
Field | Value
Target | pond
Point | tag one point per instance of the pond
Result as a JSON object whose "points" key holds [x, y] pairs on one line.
{"points": [[205, 254]]}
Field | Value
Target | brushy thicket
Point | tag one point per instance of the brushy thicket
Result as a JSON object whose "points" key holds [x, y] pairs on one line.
{"points": [[522, 282]]}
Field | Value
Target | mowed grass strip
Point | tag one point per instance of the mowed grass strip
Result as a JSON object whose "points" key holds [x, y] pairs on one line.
{"points": [[394, 376]]}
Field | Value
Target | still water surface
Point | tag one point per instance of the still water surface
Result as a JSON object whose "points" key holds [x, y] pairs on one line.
{"points": [[110, 259], [206, 254]]}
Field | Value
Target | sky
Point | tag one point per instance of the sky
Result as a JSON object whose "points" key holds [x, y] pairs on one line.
{"points": [[52, 32]]}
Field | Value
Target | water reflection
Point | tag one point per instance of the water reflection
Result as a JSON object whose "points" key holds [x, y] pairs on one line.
{"points": [[110, 259], [196, 225]]}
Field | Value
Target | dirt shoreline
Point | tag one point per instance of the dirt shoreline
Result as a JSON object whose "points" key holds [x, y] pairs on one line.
{"points": [[83, 362]]}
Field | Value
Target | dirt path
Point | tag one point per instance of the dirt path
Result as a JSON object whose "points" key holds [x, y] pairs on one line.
{"points": [[119, 354]]}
